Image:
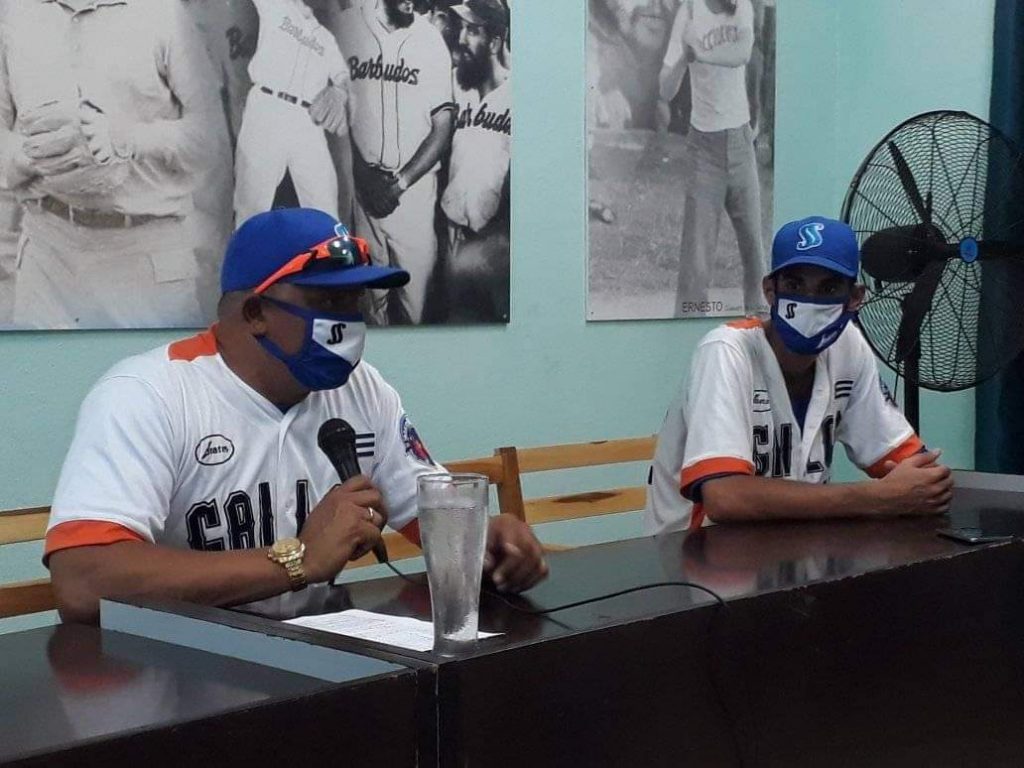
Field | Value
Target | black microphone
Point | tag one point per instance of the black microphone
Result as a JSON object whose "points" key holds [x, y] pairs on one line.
{"points": [[337, 440]]}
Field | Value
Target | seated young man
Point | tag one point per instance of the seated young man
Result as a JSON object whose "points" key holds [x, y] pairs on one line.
{"points": [[752, 435], [195, 473]]}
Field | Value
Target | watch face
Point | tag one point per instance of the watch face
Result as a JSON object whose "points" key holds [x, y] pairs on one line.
{"points": [[285, 547]]}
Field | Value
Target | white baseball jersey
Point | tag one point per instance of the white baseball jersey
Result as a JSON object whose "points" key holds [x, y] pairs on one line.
{"points": [[171, 447], [294, 53], [400, 79], [720, 46], [480, 156], [735, 417]]}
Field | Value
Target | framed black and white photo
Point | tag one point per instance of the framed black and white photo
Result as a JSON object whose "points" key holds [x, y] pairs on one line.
{"points": [[680, 121], [136, 135]]}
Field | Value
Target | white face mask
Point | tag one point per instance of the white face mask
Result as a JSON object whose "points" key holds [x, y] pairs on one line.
{"points": [[808, 327]]}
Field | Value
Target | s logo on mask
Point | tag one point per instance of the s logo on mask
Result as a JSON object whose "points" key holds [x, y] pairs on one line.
{"points": [[331, 349], [808, 327], [337, 334]]}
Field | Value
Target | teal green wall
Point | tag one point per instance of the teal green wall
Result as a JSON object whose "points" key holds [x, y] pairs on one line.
{"points": [[847, 72]]}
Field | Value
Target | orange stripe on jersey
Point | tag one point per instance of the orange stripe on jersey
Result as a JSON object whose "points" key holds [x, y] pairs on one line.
{"points": [[201, 345], [86, 533], [903, 451], [412, 533], [746, 323], [725, 465], [696, 517]]}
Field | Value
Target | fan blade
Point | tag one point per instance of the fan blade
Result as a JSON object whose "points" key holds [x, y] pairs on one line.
{"points": [[909, 184], [916, 306], [900, 254]]}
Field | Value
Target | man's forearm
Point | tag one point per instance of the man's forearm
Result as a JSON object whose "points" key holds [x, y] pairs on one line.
{"points": [[184, 144], [669, 81], [742, 497], [432, 148], [83, 575], [12, 173]]}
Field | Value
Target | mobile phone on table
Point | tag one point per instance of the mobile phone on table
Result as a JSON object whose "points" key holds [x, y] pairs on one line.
{"points": [[973, 535]]}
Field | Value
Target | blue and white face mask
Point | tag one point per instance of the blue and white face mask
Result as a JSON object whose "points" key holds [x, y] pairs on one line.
{"points": [[332, 348], [809, 326]]}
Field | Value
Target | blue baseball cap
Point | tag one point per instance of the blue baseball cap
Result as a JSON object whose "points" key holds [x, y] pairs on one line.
{"points": [[819, 241], [302, 246]]}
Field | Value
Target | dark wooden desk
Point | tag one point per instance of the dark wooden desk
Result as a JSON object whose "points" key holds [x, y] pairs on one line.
{"points": [[73, 695], [842, 643]]}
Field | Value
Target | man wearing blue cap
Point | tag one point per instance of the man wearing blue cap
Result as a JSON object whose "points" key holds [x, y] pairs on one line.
{"points": [[767, 400], [194, 472]]}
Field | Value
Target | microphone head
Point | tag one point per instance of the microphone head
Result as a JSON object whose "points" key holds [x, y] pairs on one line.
{"points": [[335, 433]]}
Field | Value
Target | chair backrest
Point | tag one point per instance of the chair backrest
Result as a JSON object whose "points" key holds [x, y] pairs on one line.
{"points": [[21, 525], [574, 455], [21, 597]]}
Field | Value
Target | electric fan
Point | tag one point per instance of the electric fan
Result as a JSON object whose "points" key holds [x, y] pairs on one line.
{"points": [[942, 251]]}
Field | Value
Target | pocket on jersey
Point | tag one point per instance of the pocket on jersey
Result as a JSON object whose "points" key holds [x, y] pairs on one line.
{"points": [[174, 264]]}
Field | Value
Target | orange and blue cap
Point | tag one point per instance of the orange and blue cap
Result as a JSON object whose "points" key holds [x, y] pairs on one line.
{"points": [[301, 246]]}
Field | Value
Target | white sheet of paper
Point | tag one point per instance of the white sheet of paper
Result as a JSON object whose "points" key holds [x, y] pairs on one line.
{"points": [[400, 631]]}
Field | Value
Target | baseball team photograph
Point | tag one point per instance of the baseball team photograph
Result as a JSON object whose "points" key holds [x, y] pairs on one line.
{"points": [[137, 135]]}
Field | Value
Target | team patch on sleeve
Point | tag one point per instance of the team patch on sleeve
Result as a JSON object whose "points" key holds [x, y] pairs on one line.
{"points": [[414, 445], [886, 392]]}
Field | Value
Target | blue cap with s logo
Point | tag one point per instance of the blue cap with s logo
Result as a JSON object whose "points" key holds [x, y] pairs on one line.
{"points": [[819, 241]]}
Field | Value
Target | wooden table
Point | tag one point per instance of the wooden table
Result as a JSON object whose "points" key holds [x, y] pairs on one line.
{"points": [[75, 695], [859, 643]]}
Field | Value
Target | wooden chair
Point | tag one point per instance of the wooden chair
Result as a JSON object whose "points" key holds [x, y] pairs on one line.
{"points": [[21, 525], [574, 455], [20, 597]]}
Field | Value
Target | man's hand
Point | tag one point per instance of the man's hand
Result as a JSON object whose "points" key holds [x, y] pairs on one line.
{"points": [[53, 142], [344, 526], [377, 188], [328, 109], [106, 139], [514, 559], [918, 485]]}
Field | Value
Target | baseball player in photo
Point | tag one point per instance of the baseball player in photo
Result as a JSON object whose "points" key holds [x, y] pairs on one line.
{"points": [[767, 401], [476, 199], [401, 119], [107, 118], [299, 92], [194, 471], [713, 40]]}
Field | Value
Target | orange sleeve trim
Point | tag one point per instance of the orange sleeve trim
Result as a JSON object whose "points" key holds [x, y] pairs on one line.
{"points": [[201, 345], [903, 451], [86, 533], [696, 517], [727, 465], [746, 323], [412, 533]]}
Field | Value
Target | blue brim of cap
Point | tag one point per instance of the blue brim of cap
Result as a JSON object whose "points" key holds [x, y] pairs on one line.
{"points": [[818, 261], [352, 277]]}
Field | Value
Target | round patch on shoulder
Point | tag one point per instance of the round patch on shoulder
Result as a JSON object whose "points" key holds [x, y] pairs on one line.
{"points": [[214, 449], [413, 444]]}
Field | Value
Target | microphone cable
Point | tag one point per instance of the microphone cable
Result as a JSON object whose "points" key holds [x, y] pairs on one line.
{"points": [[715, 661], [543, 611]]}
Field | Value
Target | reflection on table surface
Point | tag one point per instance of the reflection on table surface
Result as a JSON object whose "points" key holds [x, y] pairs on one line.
{"points": [[70, 683], [734, 561]]}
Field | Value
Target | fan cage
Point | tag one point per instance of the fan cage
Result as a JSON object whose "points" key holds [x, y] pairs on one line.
{"points": [[975, 322]]}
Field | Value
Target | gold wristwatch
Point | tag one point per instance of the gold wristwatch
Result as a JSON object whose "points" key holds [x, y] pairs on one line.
{"points": [[288, 554]]}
